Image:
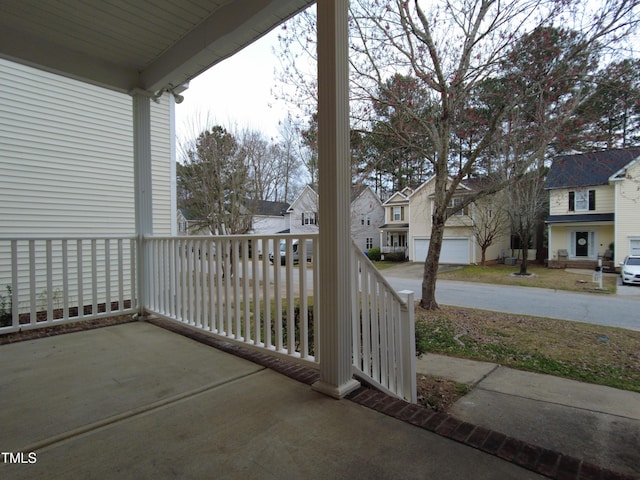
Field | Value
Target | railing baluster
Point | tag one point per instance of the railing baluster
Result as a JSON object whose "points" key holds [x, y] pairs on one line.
{"points": [[246, 333], [107, 276], [32, 282], [304, 312], [15, 289], [291, 337], [120, 275], [94, 277], [65, 280], [49, 257], [317, 314], [236, 282], [357, 320], [257, 326], [277, 286], [266, 294]]}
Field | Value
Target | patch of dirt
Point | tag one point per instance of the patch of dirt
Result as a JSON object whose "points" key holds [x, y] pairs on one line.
{"points": [[439, 394], [78, 326]]}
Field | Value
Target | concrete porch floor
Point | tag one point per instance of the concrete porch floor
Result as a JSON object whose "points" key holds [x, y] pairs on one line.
{"points": [[137, 401]]}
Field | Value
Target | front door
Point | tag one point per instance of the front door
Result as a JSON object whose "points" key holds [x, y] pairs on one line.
{"points": [[582, 244]]}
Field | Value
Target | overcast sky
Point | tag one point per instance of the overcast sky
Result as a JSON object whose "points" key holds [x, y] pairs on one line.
{"points": [[237, 92]]}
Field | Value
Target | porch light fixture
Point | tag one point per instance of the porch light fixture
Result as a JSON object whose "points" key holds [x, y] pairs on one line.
{"points": [[175, 91]]}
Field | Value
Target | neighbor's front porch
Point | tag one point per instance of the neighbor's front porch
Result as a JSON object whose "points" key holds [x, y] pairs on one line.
{"points": [[583, 244]]}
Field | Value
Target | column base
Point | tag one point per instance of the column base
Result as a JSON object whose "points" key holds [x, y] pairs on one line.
{"points": [[334, 391]]}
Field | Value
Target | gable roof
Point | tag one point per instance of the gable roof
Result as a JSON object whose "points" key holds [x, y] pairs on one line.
{"points": [[466, 185], [358, 191], [398, 198], [307, 188], [269, 209], [588, 169]]}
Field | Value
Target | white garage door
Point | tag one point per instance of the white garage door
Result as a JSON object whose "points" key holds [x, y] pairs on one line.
{"points": [[454, 250], [634, 247]]}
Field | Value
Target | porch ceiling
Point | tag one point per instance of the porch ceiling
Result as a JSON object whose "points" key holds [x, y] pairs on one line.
{"points": [[127, 45]]}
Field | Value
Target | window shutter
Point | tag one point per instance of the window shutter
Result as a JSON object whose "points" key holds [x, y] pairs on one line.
{"points": [[572, 201], [302, 218], [401, 214], [592, 199]]}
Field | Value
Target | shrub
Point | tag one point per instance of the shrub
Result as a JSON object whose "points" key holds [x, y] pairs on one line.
{"points": [[395, 257], [5, 308], [374, 254]]}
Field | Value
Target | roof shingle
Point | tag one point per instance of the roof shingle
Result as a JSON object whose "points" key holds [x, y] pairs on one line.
{"points": [[588, 169]]}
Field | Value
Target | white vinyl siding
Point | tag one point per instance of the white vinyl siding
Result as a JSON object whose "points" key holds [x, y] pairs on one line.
{"points": [[306, 204], [367, 216], [66, 163], [627, 221], [163, 212], [559, 201], [66, 156]]}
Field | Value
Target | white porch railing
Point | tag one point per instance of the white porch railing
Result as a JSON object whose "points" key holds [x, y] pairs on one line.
{"points": [[46, 281], [384, 349], [212, 283]]}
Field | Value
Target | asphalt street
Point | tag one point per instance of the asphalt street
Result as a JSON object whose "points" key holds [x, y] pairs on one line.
{"points": [[610, 310]]}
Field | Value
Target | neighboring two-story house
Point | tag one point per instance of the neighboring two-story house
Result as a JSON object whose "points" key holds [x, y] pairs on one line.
{"points": [[408, 226], [459, 245], [594, 201], [302, 215], [395, 231], [268, 218], [367, 215]]}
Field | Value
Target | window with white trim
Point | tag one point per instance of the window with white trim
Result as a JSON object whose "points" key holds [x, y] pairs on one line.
{"points": [[398, 214], [309, 218], [455, 203], [369, 243], [582, 200]]}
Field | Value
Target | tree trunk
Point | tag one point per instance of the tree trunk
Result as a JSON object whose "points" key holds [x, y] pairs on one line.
{"points": [[431, 263], [483, 256], [525, 254]]}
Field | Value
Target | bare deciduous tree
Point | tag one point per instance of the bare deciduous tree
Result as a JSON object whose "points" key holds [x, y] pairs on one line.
{"points": [[452, 48], [490, 222]]}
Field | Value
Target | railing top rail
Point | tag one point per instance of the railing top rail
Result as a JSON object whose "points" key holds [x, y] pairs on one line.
{"points": [[66, 237], [381, 279], [231, 237]]}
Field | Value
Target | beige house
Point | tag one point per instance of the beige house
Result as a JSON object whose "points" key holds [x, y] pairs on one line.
{"points": [[394, 232], [408, 225], [594, 201]]}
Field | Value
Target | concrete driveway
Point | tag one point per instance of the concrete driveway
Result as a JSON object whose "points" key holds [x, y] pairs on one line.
{"points": [[137, 401]]}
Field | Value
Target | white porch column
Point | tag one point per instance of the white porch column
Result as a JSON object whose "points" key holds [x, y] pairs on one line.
{"points": [[334, 187], [142, 186]]}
